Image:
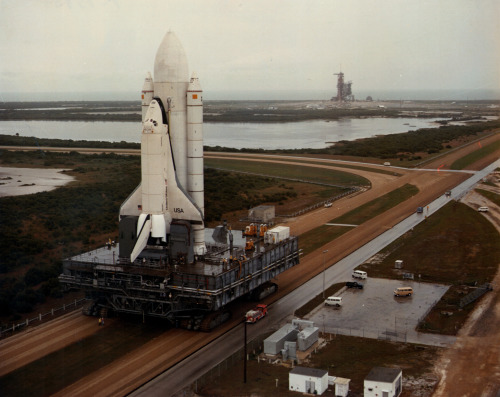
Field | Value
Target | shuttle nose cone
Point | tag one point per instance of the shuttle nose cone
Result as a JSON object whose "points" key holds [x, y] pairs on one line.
{"points": [[171, 62]]}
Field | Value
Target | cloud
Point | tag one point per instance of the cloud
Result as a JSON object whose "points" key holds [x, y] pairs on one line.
{"points": [[100, 45]]}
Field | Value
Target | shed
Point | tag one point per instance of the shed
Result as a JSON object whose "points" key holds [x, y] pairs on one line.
{"points": [[262, 213], [383, 382], [341, 386], [308, 380], [274, 343], [307, 337]]}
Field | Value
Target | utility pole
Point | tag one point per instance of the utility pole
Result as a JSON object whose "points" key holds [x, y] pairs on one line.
{"points": [[245, 353], [324, 269]]}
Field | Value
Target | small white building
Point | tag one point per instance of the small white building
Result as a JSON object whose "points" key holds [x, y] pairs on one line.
{"points": [[341, 386], [308, 380], [383, 382]]}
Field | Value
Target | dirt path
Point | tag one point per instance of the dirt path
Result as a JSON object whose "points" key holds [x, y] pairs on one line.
{"points": [[21, 349], [471, 367]]}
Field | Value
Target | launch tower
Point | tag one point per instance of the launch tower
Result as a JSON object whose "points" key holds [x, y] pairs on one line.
{"points": [[344, 91]]}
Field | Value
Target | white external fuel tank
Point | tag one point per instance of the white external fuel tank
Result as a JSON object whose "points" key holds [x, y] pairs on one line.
{"points": [[171, 79]]}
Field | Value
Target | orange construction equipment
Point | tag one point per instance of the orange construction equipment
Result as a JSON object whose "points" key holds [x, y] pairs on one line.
{"points": [[263, 230], [250, 230], [249, 245]]}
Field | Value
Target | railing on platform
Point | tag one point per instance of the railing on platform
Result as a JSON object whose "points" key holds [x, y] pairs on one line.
{"points": [[41, 317]]}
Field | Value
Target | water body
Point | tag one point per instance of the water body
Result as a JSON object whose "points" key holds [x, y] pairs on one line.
{"points": [[19, 181], [314, 134]]}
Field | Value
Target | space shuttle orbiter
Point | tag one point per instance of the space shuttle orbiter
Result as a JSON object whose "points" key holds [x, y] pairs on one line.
{"points": [[171, 192]]}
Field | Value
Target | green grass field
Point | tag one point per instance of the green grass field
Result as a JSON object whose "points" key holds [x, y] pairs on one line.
{"points": [[318, 237]]}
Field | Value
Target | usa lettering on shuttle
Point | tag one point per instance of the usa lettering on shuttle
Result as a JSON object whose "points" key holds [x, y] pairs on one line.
{"points": [[179, 210]]}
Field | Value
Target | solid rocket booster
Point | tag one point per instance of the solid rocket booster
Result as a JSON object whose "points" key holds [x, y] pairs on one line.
{"points": [[147, 94], [195, 184], [171, 152]]}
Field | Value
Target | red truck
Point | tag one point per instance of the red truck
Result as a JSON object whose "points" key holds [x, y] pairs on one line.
{"points": [[256, 314]]}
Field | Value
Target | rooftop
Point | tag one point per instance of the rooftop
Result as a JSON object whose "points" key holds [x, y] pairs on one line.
{"points": [[318, 373], [383, 374]]}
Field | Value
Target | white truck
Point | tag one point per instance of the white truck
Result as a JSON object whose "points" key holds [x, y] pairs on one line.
{"points": [[277, 234]]}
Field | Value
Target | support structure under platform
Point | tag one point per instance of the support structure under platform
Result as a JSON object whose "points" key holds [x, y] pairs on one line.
{"points": [[152, 286]]}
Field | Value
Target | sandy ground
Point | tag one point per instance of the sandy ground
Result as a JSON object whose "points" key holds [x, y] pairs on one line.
{"points": [[159, 354]]}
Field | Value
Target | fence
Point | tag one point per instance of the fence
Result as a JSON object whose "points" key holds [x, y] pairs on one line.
{"points": [[477, 293], [40, 318], [320, 204], [349, 191], [253, 347], [423, 316], [390, 334]]}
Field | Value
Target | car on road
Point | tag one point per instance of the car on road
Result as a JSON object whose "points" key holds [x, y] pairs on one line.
{"points": [[256, 314], [420, 210], [354, 284], [483, 209]]}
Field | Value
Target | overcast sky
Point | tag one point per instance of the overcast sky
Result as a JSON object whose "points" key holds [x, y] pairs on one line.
{"points": [[110, 45]]}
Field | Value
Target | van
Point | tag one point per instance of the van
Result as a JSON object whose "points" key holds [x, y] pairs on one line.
{"points": [[483, 209], [359, 274], [403, 291], [334, 301]]}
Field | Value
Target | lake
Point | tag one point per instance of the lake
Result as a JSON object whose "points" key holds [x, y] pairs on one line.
{"points": [[315, 134]]}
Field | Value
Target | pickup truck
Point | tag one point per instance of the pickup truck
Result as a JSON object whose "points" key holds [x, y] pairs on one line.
{"points": [[354, 284], [256, 314]]}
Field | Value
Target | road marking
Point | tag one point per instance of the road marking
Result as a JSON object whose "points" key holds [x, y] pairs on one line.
{"points": [[340, 224]]}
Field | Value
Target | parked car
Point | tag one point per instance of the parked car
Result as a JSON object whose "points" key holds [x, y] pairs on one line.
{"points": [[403, 291], [334, 301], [354, 284], [483, 209], [359, 274]]}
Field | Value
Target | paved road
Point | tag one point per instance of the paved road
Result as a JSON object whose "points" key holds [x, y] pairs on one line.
{"points": [[184, 373]]}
